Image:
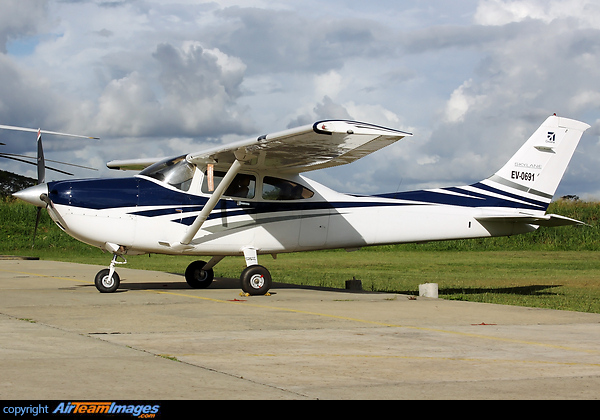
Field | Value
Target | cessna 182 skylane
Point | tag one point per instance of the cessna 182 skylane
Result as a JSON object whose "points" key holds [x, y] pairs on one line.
{"points": [[248, 198]]}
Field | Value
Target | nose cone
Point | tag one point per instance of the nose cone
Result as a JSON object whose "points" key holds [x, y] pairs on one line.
{"points": [[32, 195]]}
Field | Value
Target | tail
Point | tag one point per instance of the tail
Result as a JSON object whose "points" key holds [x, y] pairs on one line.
{"points": [[534, 172], [539, 165]]}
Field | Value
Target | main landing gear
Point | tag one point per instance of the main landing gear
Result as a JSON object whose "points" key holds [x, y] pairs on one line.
{"points": [[255, 279]]}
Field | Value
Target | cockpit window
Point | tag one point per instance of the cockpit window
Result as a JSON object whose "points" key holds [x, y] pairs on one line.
{"points": [[242, 186], [282, 189], [176, 172]]}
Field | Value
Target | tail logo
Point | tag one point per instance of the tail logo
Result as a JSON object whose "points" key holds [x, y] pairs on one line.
{"points": [[551, 137]]}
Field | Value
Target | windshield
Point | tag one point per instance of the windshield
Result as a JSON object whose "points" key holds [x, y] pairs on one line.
{"points": [[176, 172]]}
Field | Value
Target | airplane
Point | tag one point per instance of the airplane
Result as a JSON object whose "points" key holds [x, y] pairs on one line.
{"points": [[248, 198]]}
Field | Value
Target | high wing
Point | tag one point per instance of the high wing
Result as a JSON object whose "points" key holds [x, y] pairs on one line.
{"points": [[320, 145]]}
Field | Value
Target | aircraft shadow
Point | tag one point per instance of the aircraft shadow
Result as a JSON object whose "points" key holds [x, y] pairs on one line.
{"points": [[221, 283], [531, 290], [224, 283]]}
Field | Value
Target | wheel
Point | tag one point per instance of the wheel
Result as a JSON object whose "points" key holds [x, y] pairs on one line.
{"points": [[198, 278], [104, 284], [256, 280]]}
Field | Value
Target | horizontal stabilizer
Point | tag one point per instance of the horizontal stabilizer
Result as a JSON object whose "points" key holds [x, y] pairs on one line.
{"points": [[548, 220], [132, 164]]}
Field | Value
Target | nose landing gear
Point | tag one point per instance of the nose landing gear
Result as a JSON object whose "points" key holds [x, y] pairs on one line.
{"points": [[107, 280]]}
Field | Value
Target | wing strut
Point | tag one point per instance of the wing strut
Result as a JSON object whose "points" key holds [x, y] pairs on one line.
{"points": [[212, 202]]}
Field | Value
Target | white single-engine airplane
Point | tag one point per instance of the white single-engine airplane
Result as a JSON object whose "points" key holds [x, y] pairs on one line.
{"points": [[248, 198]]}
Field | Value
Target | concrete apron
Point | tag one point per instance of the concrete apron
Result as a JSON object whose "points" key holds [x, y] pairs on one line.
{"points": [[156, 338]]}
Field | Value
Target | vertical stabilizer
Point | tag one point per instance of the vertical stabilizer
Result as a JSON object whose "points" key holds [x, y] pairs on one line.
{"points": [[538, 166]]}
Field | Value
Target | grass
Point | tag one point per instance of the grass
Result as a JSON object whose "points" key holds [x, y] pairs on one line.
{"points": [[556, 268]]}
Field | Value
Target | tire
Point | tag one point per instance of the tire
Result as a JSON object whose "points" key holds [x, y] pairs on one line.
{"points": [[256, 280], [104, 284], [198, 278]]}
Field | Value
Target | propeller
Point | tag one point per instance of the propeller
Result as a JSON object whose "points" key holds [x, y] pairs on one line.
{"points": [[41, 173], [40, 163], [21, 158], [40, 154]]}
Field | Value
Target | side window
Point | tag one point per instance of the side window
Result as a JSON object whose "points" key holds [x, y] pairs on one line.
{"points": [[282, 189], [242, 186]]}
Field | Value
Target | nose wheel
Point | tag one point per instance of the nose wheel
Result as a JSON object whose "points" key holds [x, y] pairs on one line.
{"points": [[107, 280]]}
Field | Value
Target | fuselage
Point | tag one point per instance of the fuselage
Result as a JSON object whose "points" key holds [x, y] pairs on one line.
{"points": [[143, 214]]}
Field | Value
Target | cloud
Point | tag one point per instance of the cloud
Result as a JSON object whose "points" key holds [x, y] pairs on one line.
{"points": [[472, 80], [291, 41], [502, 12], [535, 59], [21, 18], [194, 94], [460, 102], [27, 99]]}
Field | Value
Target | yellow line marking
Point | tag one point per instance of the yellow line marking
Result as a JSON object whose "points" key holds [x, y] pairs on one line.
{"points": [[331, 316], [46, 275]]}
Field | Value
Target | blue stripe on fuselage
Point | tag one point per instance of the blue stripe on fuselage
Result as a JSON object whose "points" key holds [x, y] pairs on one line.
{"points": [[230, 208], [152, 199], [468, 198]]}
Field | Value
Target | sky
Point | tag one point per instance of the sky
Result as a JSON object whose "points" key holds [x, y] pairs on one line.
{"points": [[471, 79]]}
